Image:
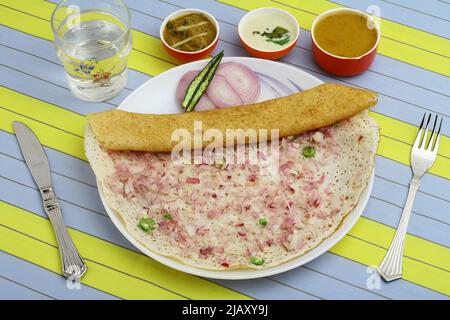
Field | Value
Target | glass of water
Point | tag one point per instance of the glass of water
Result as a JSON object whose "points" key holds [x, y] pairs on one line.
{"points": [[93, 40]]}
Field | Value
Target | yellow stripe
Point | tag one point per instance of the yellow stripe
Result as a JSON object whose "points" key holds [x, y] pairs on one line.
{"points": [[152, 45], [414, 271], [390, 29], [391, 147], [140, 266], [49, 136], [42, 111], [148, 44], [400, 152], [100, 252], [99, 276], [137, 60], [405, 132], [394, 49], [44, 9], [391, 130], [415, 247]]}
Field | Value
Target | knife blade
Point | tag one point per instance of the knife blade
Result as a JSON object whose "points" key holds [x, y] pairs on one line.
{"points": [[34, 155], [73, 265]]}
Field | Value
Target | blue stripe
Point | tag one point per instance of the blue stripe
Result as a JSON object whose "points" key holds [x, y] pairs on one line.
{"points": [[429, 183], [44, 281], [151, 26], [382, 64], [331, 289], [423, 204], [375, 82], [13, 291], [266, 289], [44, 49], [402, 15], [319, 279], [74, 216], [86, 196], [432, 7], [357, 274], [419, 225], [48, 92], [101, 227]]}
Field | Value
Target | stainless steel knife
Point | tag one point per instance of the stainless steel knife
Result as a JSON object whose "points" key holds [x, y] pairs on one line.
{"points": [[73, 266]]}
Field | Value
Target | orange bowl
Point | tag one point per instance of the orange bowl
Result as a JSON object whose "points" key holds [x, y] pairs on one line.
{"points": [[186, 56], [268, 54], [343, 66]]}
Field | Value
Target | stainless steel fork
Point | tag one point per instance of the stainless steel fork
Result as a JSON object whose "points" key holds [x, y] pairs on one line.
{"points": [[423, 155]]}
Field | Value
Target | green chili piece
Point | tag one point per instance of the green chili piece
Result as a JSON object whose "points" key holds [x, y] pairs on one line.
{"points": [[263, 221], [256, 261], [309, 152], [200, 83], [147, 224]]}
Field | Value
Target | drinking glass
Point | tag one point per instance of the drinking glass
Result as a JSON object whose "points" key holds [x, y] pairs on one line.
{"points": [[93, 40]]}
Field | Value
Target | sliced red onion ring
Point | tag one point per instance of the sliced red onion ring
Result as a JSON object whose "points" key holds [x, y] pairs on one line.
{"points": [[221, 93], [234, 84], [242, 79]]}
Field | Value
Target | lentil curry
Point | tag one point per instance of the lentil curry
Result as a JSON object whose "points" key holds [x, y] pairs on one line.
{"points": [[190, 33], [345, 34]]}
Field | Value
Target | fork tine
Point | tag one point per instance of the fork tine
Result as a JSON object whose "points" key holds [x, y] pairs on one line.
{"points": [[430, 142], [425, 133], [419, 132], [438, 135]]}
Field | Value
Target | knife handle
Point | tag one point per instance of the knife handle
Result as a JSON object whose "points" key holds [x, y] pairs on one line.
{"points": [[72, 264]]}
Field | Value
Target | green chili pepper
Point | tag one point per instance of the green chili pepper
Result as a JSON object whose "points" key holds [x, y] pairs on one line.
{"points": [[263, 221], [167, 216], [147, 224], [309, 152], [200, 83], [256, 261]]}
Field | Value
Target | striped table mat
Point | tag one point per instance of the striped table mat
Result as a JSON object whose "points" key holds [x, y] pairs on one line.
{"points": [[411, 74]]}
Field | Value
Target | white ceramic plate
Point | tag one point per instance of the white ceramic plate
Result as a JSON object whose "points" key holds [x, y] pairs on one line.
{"points": [[157, 95]]}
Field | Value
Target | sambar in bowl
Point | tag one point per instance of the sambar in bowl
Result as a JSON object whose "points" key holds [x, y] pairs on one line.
{"points": [[344, 41]]}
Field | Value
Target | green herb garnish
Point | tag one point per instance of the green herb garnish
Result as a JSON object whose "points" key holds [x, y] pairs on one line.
{"points": [[309, 152], [167, 216], [281, 41], [277, 33], [147, 224], [256, 261], [262, 221]]}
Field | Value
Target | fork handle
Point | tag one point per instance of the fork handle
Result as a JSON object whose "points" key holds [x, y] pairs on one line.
{"points": [[391, 267]]}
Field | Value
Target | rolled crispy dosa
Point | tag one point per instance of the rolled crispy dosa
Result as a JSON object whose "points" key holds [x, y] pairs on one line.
{"points": [[291, 115]]}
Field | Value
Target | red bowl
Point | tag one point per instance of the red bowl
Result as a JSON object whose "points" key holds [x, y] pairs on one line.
{"points": [[185, 56], [268, 54], [343, 66]]}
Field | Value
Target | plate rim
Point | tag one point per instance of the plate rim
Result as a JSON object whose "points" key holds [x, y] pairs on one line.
{"points": [[241, 274]]}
